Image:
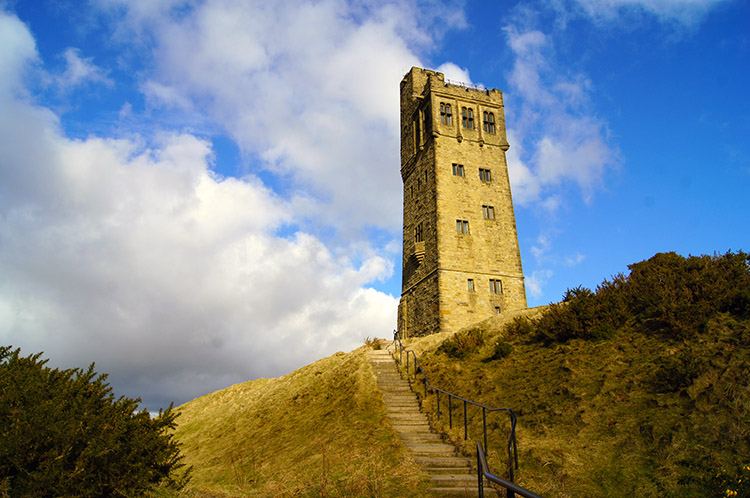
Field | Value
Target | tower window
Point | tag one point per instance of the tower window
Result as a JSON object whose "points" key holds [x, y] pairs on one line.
{"points": [[496, 286], [471, 285], [485, 175], [462, 226], [418, 234], [489, 122], [488, 212], [445, 114], [467, 118], [458, 169]]}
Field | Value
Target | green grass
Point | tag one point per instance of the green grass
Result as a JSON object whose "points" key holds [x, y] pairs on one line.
{"points": [[318, 431]]}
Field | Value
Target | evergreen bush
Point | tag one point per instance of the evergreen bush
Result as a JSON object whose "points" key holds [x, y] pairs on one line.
{"points": [[668, 295], [63, 433]]}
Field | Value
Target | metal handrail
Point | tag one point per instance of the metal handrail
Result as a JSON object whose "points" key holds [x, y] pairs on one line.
{"points": [[483, 472], [512, 445]]}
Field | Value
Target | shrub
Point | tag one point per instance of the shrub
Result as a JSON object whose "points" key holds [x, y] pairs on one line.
{"points": [[521, 326], [501, 350], [373, 343], [673, 373], [669, 295], [463, 343], [63, 433]]}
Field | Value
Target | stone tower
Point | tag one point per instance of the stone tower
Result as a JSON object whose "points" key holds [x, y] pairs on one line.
{"points": [[461, 260]]}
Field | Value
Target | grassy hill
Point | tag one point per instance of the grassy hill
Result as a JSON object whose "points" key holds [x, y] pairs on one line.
{"points": [[318, 431], [639, 388]]}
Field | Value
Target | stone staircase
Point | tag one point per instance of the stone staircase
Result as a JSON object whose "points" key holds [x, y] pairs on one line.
{"points": [[451, 475]]}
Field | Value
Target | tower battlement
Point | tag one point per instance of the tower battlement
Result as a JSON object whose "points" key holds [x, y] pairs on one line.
{"points": [[461, 261]]}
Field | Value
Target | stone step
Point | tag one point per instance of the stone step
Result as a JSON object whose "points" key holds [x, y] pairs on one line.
{"points": [[439, 449], [446, 480], [404, 408], [428, 462], [449, 474], [450, 470], [464, 491], [408, 417], [454, 492], [421, 438], [402, 403], [410, 426]]}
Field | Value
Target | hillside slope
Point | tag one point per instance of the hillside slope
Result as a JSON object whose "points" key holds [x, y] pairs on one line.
{"points": [[318, 431], [641, 388]]}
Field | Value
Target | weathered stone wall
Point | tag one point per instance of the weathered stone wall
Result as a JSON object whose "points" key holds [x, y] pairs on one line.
{"points": [[435, 290]]}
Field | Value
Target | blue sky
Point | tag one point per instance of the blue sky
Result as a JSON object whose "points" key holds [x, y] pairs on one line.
{"points": [[194, 194]]}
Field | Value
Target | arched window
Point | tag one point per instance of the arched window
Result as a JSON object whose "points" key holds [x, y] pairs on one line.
{"points": [[489, 122], [467, 118], [446, 117]]}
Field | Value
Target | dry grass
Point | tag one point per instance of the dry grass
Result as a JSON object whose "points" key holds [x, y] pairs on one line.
{"points": [[319, 431], [588, 422]]}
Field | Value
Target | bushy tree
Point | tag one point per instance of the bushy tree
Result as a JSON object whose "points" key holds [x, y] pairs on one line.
{"points": [[667, 295], [63, 433]]}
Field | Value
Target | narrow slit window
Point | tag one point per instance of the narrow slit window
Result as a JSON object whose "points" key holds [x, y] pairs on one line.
{"points": [[471, 285], [418, 233]]}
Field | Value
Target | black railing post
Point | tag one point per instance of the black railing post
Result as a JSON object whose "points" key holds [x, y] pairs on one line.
{"points": [[466, 424], [480, 476], [484, 428], [437, 393], [425, 387], [450, 412]]}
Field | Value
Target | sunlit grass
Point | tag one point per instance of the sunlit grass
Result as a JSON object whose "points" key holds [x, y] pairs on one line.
{"points": [[319, 431]]}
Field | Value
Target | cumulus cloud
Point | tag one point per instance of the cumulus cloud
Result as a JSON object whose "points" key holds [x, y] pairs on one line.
{"points": [[133, 253], [555, 138], [454, 72], [17, 50], [309, 88]]}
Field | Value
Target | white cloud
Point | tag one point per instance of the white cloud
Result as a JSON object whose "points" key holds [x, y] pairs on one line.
{"points": [[682, 11], [17, 51], [570, 143], [79, 71], [455, 73], [310, 88], [537, 280], [134, 254]]}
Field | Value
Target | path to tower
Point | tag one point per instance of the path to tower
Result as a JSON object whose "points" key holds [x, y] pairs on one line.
{"points": [[450, 474]]}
